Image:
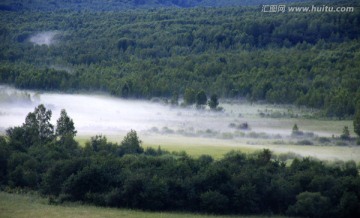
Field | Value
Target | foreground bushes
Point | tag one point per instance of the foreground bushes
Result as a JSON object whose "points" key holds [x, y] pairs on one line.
{"points": [[125, 175]]}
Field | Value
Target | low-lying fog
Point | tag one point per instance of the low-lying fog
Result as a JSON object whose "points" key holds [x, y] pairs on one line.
{"points": [[95, 114], [102, 114], [44, 38], [160, 123]]}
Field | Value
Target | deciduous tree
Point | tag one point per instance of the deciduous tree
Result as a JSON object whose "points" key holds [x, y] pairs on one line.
{"points": [[65, 126], [131, 144], [213, 102], [201, 98], [189, 96]]}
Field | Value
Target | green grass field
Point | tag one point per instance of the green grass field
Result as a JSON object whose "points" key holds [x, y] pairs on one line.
{"points": [[26, 205], [196, 146], [217, 148]]}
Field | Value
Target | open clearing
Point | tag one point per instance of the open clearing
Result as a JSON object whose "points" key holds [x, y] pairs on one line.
{"points": [[196, 146], [19, 205]]}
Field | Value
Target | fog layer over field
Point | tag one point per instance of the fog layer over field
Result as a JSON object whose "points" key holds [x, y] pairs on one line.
{"points": [[161, 124], [95, 114], [92, 114]]}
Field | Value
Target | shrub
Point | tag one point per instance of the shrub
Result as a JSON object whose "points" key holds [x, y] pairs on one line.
{"points": [[214, 202], [349, 205], [296, 132], [310, 204], [345, 134], [323, 140], [305, 142]]}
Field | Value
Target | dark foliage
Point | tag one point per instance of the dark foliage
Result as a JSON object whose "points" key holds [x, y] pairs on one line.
{"points": [[213, 102], [103, 5], [123, 175], [307, 59]]}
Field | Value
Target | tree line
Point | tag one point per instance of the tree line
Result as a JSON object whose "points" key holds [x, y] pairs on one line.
{"points": [[45, 158], [103, 5]]}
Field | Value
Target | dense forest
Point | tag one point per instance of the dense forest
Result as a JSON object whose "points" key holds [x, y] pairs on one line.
{"points": [[44, 157], [109, 5], [307, 59]]}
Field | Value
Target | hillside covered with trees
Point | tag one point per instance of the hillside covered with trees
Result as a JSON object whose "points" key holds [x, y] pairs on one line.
{"points": [[106, 5], [44, 157], [309, 59]]}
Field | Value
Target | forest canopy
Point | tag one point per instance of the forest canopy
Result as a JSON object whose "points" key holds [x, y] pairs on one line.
{"points": [[106, 5], [309, 59]]}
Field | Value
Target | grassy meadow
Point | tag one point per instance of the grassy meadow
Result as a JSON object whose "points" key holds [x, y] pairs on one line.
{"points": [[217, 148], [27, 205]]}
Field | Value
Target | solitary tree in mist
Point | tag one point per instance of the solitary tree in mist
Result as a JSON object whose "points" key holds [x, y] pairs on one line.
{"points": [[201, 98], [38, 125], [213, 102], [295, 130], [131, 144], [175, 99], [190, 96], [346, 133], [65, 126], [125, 91]]}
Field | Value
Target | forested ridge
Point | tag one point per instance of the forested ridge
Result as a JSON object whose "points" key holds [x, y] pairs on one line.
{"points": [[106, 5], [309, 59], [44, 157]]}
